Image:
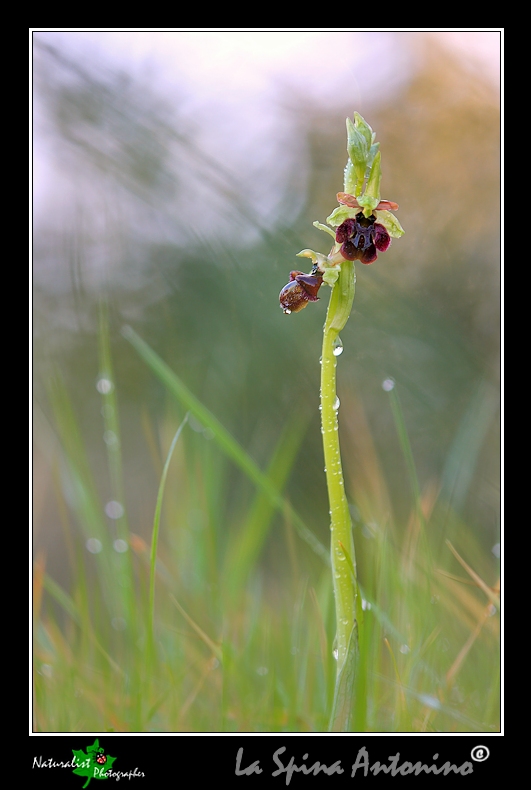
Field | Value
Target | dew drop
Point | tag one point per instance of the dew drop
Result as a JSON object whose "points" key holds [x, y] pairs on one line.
{"points": [[104, 385], [335, 653], [388, 385], [118, 623], [430, 701], [114, 509], [337, 346], [337, 403], [110, 438]]}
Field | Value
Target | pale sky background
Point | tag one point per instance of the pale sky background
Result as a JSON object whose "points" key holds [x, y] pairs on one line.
{"points": [[238, 94]]}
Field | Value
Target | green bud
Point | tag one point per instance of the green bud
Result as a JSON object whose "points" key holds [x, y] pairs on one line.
{"points": [[358, 150], [363, 128]]}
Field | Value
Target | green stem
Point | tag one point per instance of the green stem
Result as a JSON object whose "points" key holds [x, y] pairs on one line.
{"points": [[342, 544]]}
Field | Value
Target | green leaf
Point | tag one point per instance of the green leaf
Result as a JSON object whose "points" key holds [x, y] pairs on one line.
{"points": [[343, 706]]}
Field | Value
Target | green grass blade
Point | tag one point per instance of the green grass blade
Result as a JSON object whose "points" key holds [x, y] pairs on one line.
{"points": [[405, 445], [156, 527], [68, 605], [224, 439], [62, 598], [251, 539], [466, 447]]}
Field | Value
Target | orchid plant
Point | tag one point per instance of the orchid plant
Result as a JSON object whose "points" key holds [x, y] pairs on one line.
{"points": [[361, 226]]}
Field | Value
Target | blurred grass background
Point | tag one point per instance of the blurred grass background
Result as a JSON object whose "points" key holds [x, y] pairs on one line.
{"points": [[178, 209]]}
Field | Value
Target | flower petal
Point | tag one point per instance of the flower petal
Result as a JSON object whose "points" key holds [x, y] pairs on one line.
{"points": [[346, 230], [369, 255], [349, 251], [381, 238]]}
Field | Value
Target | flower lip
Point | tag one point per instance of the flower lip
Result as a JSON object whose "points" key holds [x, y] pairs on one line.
{"points": [[301, 289], [362, 238]]}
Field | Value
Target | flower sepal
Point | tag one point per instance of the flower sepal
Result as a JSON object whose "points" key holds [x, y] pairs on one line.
{"points": [[340, 214], [317, 258], [328, 266], [390, 223], [325, 228]]}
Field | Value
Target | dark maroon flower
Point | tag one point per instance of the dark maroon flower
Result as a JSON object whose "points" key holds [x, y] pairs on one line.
{"points": [[301, 289], [362, 238]]}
